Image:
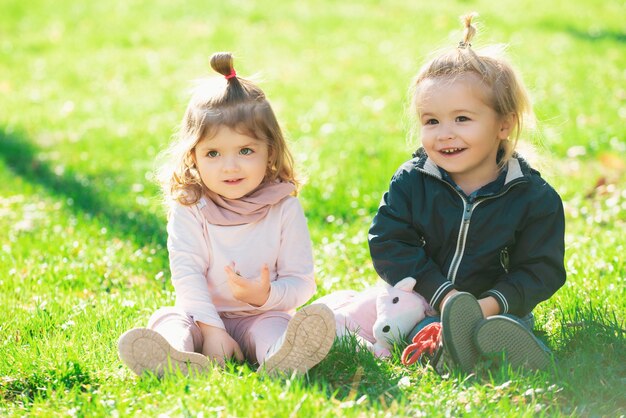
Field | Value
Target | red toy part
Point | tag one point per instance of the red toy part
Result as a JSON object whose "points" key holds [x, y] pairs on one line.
{"points": [[425, 341]]}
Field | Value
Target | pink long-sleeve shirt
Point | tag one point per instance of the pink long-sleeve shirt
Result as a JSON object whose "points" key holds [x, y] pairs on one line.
{"points": [[199, 251]]}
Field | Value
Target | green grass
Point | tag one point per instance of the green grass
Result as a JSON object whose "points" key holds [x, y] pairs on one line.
{"points": [[90, 92]]}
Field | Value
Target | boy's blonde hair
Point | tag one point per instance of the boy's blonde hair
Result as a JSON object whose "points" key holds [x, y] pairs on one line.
{"points": [[507, 94], [228, 101]]}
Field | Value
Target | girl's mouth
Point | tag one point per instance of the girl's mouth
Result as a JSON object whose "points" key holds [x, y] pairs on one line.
{"points": [[233, 181]]}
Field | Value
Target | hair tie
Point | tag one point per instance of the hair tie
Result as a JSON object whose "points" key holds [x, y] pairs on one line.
{"points": [[232, 74], [464, 45]]}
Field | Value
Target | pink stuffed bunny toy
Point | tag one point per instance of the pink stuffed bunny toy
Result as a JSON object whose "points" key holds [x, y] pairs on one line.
{"points": [[379, 316]]}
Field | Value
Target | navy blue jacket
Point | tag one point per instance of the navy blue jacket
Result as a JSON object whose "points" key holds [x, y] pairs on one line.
{"points": [[506, 240]]}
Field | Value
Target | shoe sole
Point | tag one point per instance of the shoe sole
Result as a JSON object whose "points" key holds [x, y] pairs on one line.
{"points": [[459, 319], [499, 334], [143, 349], [308, 338]]}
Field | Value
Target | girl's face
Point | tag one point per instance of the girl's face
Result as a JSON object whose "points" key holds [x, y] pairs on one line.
{"points": [[231, 164], [459, 131]]}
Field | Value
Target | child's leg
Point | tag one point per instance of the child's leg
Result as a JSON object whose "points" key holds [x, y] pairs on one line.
{"points": [[255, 334], [178, 328], [169, 341], [422, 324]]}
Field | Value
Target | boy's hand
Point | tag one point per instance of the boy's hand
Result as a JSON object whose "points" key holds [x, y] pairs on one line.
{"points": [[489, 306], [254, 292], [218, 345]]}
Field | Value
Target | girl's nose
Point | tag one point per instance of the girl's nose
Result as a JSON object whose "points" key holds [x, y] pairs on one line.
{"points": [[230, 164]]}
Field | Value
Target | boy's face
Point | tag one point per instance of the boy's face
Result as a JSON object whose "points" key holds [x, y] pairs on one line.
{"points": [[231, 164], [460, 132]]}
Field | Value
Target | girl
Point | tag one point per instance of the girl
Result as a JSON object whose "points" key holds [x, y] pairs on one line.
{"points": [[478, 228], [239, 247]]}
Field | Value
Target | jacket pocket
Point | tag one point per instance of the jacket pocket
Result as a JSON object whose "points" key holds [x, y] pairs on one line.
{"points": [[504, 259]]}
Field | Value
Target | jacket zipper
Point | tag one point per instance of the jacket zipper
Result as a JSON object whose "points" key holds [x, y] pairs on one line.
{"points": [[468, 209]]}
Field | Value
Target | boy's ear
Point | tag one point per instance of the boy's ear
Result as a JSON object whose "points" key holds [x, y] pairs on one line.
{"points": [[507, 124]]}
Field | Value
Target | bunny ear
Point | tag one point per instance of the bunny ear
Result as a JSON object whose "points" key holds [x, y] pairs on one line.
{"points": [[406, 284]]}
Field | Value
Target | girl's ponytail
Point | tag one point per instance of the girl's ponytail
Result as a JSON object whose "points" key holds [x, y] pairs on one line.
{"points": [[222, 62]]}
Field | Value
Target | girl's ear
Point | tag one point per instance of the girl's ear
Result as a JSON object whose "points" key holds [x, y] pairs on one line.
{"points": [[271, 160], [507, 124]]}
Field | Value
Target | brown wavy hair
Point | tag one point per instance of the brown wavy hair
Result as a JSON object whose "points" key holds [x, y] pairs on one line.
{"points": [[229, 101]]}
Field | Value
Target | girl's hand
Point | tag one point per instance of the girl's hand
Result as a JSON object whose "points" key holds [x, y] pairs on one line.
{"points": [[254, 292], [218, 345]]}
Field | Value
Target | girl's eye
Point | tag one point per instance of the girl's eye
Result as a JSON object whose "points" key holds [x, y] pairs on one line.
{"points": [[212, 154], [246, 151], [431, 122], [462, 118]]}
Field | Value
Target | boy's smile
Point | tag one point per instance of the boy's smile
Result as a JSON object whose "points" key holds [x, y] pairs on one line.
{"points": [[451, 151], [460, 132]]}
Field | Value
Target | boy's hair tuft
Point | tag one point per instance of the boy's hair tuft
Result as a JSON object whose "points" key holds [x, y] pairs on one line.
{"points": [[506, 93], [470, 30]]}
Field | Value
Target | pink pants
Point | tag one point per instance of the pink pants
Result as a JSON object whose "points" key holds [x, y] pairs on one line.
{"points": [[254, 334]]}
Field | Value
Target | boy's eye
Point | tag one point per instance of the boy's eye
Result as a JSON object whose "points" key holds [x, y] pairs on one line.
{"points": [[246, 151], [212, 154], [462, 118]]}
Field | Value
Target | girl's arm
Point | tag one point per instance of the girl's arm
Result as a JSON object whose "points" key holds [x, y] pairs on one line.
{"points": [[295, 280], [537, 268], [189, 262], [395, 244]]}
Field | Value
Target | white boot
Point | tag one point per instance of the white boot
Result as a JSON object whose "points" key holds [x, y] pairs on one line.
{"points": [[307, 340], [143, 349]]}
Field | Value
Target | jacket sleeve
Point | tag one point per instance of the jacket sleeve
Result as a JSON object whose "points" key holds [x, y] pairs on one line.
{"points": [[295, 279], [189, 262], [537, 268], [396, 244]]}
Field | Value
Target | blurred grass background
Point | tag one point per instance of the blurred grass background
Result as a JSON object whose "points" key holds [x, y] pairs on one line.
{"points": [[90, 92]]}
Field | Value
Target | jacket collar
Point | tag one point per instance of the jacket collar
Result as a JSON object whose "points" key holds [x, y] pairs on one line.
{"points": [[517, 167]]}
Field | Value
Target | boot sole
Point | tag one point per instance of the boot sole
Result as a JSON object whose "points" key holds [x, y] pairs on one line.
{"points": [[307, 340], [143, 349], [499, 334], [459, 319]]}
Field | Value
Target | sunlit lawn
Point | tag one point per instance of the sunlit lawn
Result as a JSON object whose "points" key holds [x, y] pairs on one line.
{"points": [[90, 92]]}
